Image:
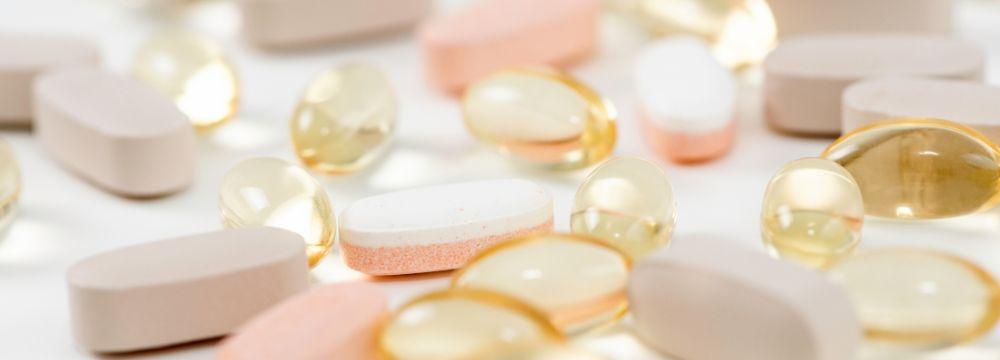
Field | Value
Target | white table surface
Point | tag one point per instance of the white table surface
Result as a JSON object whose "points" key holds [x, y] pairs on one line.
{"points": [[63, 219]]}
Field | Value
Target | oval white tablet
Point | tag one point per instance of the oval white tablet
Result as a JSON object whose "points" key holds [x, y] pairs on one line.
{"points": [[706, 298], [113, 131], [797, 17], [23, 57], [182, 289], [440, 227]]}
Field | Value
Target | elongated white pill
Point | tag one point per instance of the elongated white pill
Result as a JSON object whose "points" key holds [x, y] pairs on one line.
{"points": [[797, 17], [23, 57]]}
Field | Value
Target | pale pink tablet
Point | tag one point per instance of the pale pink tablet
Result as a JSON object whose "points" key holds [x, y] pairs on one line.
{"points": [[798, 17], [182, 289], [23, 57], [440, 227], [490, 35], [336, 321]]}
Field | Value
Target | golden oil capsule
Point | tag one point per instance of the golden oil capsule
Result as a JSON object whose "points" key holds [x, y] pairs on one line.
{"points": [[345, 119], [627, 202], [10, 183], [920, 168], [541, 116], [548, 351], [812, 213]]}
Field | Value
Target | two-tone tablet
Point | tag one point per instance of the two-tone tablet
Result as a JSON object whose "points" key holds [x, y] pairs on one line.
{"points": [[24, 57]]}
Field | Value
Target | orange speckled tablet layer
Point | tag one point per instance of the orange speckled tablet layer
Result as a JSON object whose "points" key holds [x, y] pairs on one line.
{"points": [[685, 147]]}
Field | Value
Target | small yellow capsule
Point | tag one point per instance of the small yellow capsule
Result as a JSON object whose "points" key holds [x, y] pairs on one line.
{"points": [[920, 168], [541, 116], [627, 202], [345, 119], [812, 213], [272, 192], [549, 351], [10, 183]]}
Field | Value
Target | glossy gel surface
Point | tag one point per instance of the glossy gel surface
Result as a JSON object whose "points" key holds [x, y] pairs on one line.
{"points": [[541, 352], [627, 202], [919, 297], [920, 168], [812, 213], [345, 119], [272, 192], [10, 183], [541, 116]]}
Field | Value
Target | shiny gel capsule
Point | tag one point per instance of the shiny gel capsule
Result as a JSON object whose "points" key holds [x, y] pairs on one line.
{"points": [[812, 213], [345, 119], [920, 168], [10, 183], [542, 117], [271, 192], [627, 202]]}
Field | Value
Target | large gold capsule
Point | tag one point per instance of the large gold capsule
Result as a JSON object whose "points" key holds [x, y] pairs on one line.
{"points": [[920, 168], [10, 183], [541, 116]]}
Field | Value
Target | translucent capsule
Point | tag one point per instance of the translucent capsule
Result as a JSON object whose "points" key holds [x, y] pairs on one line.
{"points": [[812, 213], [460, 324], [194, 72], [345, 119], [579, 282], [627, 202], [548, 351], [10, 183], [541, 116], [920, 168], [272, 192], [919, 297]]}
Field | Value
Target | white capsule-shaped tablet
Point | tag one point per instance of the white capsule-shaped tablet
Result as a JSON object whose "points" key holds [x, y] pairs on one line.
{"points": [[440, 227], [709, 299], [23, 57], [182, 289], [114, 132], [797, 17]]}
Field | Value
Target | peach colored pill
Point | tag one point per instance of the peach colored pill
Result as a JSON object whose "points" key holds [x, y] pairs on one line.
{"points": [[23, 57], [798, 17]]}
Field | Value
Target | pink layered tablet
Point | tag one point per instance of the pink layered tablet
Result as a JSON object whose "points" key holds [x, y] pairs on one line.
{"points": [[336, 321], [440, 227], [23, 57], [797, 17], [494, 34]]}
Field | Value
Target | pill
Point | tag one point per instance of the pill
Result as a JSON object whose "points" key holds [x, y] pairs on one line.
{"points": [[627, 202], [182, 289], [686, 100], [812, 213], [271, 192], [707, 298], [336, 321], [919, 297], [24, 57], [193, 71], [299, 23], [440, 227], [10, 183], [548, 351], [460, 324], [805, 76], [345, 119], [582, 290], [917, 168], [491, 35], [541, 117], [797, 17], [113, 131]]}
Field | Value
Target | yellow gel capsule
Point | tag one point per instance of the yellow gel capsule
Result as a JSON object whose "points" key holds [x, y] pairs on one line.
{"points": [[10, 183], [627, 202], [193, 71], [542, 117], [919, 297], [549, 351], [345, 119], [920, 168], [812, 213], [461, 323], [579, 282], [272, 192]]}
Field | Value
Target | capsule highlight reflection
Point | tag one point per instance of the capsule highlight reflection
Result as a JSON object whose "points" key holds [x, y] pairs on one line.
{"points": [[10, 183]]}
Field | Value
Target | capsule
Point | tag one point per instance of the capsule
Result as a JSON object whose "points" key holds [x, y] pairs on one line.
{"points": [[812, 213], [627, 202], [460, 324], [193, 71], [547, 351], [919, 297], [10, 183], [271, 192], [345, 119], [542, 117], [920, 168], [577, 281]]}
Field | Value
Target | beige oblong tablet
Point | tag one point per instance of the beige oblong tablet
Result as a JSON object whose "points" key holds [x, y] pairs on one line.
{"points": [[805, 77], [23, 57], [182, 289], [797, 17], [708, 299], [113, 131]]}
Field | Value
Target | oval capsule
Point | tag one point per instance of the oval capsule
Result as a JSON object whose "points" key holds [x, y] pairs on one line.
{"points": [[920, 168], [549, 351], [627, 202], [541, 116], [812, 213], [10, 183]]}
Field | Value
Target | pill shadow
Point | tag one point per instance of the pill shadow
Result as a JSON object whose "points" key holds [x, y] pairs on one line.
{"points": [[198, 345]]}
